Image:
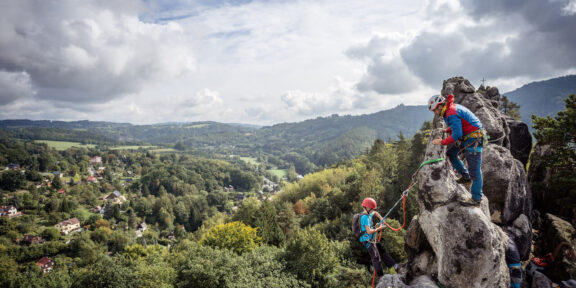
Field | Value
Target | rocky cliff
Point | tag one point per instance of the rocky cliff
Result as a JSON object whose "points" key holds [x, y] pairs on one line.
{"points": [[463, 246]]}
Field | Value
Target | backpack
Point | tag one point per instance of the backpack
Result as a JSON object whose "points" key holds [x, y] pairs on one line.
{"points": [[356, 230]]}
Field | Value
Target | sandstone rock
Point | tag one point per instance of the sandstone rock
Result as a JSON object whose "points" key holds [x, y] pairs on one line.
{"points": [[459, 244], [521, 233], [423, 282], [555, 231], [468, 246], [540, 280], [391, 281], [505, 184]]}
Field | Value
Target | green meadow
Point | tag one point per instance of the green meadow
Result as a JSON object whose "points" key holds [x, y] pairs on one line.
{"points": [[63, 145]]}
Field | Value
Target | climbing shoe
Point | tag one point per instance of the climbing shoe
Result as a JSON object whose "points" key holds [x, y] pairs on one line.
{"points": [[464, 180], [471, 203]]}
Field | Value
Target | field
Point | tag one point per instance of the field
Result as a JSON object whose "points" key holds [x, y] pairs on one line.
{"points": [[197, 126], [278, 172], [250, 160], [132, 147], [163, 150], [63, 145]]}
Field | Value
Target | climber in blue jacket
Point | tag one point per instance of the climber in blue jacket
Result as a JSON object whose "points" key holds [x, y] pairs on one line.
{"points": [[466, 132]]}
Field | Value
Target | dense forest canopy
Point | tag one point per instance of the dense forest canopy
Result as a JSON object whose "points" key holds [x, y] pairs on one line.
{"points": [[203, 217]]}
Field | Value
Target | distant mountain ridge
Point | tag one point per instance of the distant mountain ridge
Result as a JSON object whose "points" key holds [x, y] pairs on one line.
{"points": [[321, 141], [543, 98]]}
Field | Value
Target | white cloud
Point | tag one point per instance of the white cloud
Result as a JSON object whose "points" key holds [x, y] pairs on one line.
{"points": [[84, 52], [266, 61], [570, 8], [14, 86]]}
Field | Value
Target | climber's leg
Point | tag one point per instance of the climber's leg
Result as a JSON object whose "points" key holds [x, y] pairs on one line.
{"points": [[474, 160], [375, 258], [456, 162]]}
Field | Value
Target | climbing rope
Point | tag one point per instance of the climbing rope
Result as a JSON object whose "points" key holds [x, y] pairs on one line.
{"points": [[496, 140], [405, 193], [403, 199]]}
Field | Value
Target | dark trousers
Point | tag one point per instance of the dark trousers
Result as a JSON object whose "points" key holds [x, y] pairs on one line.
{"points": [[376, 258], [513, 261]]}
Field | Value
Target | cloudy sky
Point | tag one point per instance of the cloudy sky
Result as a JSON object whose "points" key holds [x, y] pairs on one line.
{"points": [[266, 61]]}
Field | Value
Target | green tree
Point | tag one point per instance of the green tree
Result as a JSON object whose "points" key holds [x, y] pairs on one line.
{"points": [[12, 180], [269, 231], [105, 272], [57, 182], [51, 234], [234, 236], [553, 168], [247, 212], [510, 108], [287, 220], [310, 256]]}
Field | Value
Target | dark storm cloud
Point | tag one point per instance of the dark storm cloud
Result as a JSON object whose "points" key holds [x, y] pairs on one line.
{"points": [[505, 39], [385, 73]]}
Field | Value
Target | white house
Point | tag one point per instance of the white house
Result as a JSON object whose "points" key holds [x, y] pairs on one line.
{"points": [[68, 226], [9, 211]]}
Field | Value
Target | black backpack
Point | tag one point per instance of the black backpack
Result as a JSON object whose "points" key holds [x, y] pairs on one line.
{"points": [[356, 230]]}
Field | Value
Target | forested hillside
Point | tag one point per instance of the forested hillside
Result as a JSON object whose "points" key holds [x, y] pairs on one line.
{"points": [[133, 218], [304, 146], [543, 98]]}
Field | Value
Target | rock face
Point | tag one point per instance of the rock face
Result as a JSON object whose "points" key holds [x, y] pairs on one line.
{"points": [[459, 245], [508, 188], [520, 140], [554, 232]]}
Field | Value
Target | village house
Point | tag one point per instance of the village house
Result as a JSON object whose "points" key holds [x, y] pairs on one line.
{"points": [[62, 191], [68, 226], [9, 211], [46, 264], [239, 197], [140, 229], [13, 166], [95, 160], [92, 179], [116, 198], [32, 240]]}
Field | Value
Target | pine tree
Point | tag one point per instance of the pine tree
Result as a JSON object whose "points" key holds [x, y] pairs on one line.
{"points": [[269, 229], [510, 108]]}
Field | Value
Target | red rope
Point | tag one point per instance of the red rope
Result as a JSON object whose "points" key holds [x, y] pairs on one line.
{"points": [[404, 216]]}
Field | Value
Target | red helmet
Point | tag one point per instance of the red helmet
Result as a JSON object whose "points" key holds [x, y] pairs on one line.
{"points": [[369, 203]]}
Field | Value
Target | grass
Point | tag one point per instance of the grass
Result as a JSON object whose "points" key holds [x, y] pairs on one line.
{"points": [[278, 172], [250, 160], [163, 150], [131, 147], [63, 145], [198, 126]]}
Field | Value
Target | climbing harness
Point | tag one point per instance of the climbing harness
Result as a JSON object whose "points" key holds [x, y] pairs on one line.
{"points": [[478, 135], [403, 199]]}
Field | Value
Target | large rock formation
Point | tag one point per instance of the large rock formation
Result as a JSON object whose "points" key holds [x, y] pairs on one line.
{"points": [[461, 246], [520, 140], [557, 236]]}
